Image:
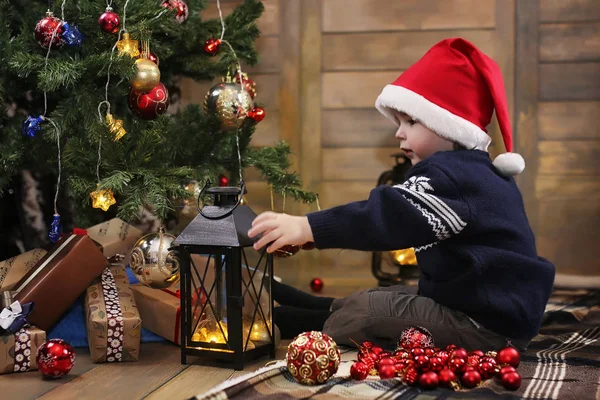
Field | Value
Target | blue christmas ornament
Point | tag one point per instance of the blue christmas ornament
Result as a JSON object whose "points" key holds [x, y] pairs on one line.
{"points": [[32, 125], [55, 229], [71, 35]]}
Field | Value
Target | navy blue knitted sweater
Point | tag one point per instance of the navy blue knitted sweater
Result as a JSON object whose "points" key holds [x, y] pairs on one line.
{"points": [[467, 223]]}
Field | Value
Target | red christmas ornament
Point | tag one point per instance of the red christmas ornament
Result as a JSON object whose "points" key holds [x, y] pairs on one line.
{"points": [[473, 360], [211, 46], [411, 375], [385, 354], [415, 336], [223, 180], [457, 365], [477, 353], [257, 114], [367, 345], [506, 369], [446, 377], [400, 366], [312, 358], [377, 350], [182, 9], [435, 364], [510, 356], [149, 105], [450, 347], [401, 354], [109, 21], [511, 380], [460, 353], [249, 84], [487, 369], [421, 362], [429, 380], [387, 371], [55, 358], [443, 355], [470, 379], [316, 284], [46, 27], [429, 352], [359, 371], [417, 351], [385, 361], [489, 359]]}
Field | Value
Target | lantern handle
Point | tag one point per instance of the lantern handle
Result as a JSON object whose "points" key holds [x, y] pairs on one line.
{"points": [[228, 212]]}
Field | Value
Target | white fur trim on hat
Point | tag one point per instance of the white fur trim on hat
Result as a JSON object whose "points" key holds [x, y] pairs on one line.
{"points": [[434, 117], [509, 164]]}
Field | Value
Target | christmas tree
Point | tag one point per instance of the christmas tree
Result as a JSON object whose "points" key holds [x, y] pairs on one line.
{"points": [[66, 74]]}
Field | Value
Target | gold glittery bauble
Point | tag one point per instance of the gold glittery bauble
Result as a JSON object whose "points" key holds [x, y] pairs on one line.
{"points": [[230, 103], [147, 77], [152, 262], [128, 46]]}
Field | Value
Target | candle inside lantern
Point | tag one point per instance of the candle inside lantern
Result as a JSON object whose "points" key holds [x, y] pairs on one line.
{"points": [[404, 256]]}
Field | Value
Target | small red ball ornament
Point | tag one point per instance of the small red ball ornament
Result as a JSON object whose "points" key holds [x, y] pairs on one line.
{"points": [[443, 355], [477, 353], [387, 371], [487, 369], [421, 362], [415, 336], [46, 28], [457, 365], [109, 21], [366, 344], [316, 284], [429, 352], [359, 371], [429, 380], [446, 377], [473, 360], [510, 356], [507, 369], [470, 379], [377, 350], [55, 358], [450, 347], [411, 375], [401, 354], [223, 180], [211, 46], [313, 358], [417, 351], [257, 114], [151, 104], [460, 353], [435, 364], [511, 380], [182, 9]]}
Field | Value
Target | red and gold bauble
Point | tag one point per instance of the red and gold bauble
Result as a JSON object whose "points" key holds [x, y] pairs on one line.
{"points": [[511, 380], [470, 379], [510, 356], [55, 358], [317, 285], [359, 371], [46, 27], [149, 105], [415, 336], [257, 114], [211, 46], [313, 358], [109, 21], [182, 9], [429, 380]]}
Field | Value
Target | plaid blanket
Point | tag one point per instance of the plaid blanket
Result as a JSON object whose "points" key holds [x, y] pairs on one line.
{"points": [[561, 363]]}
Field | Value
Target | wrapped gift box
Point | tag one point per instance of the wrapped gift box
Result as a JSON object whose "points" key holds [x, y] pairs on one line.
{"points": [[115, 236], [13, 269], [112, 319], [61, 276], [18, 351], [159, 310]]}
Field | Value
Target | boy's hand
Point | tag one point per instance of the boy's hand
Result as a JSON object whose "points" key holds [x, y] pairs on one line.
{"points": [[280, 230]]}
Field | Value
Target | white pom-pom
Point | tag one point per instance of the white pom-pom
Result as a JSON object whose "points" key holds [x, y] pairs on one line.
{"points": [[509, 164]]}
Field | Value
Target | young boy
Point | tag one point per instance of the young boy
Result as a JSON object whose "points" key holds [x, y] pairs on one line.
{"points": [[482, 283]]}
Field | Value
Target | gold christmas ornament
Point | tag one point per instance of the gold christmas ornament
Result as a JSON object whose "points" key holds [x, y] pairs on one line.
{"points": [[102, 198], [115, 126], [147, 76], [128, 46], [152, 262], [230, 103]]}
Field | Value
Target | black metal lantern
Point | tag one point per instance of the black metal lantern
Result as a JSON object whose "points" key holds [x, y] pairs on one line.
{"points": [[226, 304], [402, 260]]}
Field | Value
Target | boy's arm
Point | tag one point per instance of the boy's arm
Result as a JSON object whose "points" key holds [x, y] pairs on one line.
{"points": [[425, 209]]}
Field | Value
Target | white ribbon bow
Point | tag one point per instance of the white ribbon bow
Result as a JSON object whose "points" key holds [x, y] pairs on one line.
{"points": [[9, 314]]}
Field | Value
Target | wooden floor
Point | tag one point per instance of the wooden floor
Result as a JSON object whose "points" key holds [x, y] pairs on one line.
{"points": [[157, 375]]}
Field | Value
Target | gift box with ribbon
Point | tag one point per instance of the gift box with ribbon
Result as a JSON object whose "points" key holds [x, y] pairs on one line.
{"points": [[18, 351], [13, 316], [112, 319], [13, 269], [115, 236]]}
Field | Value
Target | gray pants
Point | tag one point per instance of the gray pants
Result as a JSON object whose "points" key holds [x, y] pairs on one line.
{"points": [[380, 315]]}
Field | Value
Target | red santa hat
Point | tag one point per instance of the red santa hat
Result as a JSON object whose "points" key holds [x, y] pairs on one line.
{"points": [[453, 90]]}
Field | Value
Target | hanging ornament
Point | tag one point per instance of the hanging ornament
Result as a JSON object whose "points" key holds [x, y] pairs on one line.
{"points": [[249, 84], [71, 35], [415, 336], [312, 358], [32, 125], [211, 46], [128, 46], [55, 229], [46, 28], [151, 104], [109, 21], [153, 263], [257, 114], [359, 371], [510, 356], [102, 198], [316, 284], [55, 358], [147, 75], [229, 103], [115, 126], [182, 9]]}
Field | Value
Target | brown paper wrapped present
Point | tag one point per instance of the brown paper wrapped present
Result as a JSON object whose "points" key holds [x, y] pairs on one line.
{"points": [[18, 351], [13, 269], [113, 322], [159, 310], [115, 236], [61, 276]]}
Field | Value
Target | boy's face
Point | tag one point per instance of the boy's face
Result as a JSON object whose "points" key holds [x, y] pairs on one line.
{"points": [[417, 141]]}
